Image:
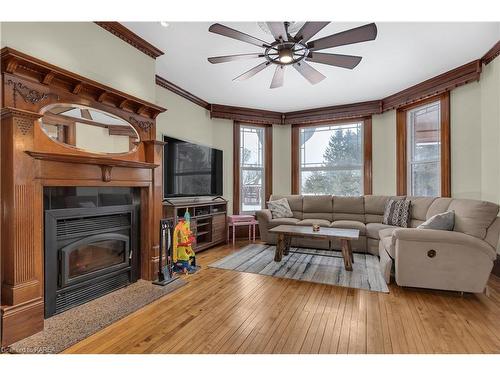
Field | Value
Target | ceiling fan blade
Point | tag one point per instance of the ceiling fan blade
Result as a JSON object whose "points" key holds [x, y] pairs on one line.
{"points": [[222, 59], [308, 72], [343, 61], [217, 28], [356, 35], [308, 30], [250, 73], [278, 30], [278, 78]]}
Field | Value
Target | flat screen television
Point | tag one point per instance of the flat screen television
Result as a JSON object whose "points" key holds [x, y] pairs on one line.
{"points": [[190, 169]]}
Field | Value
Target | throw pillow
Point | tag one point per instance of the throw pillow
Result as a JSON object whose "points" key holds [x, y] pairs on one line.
{"points": [[280, 208], [443, 221], [397, 213]]}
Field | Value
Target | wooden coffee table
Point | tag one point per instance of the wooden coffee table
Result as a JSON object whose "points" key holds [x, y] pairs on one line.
{"points": [[286, 232]]}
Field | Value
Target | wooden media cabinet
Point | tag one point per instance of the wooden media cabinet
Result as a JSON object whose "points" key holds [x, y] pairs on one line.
{"points": [[208, 219]]}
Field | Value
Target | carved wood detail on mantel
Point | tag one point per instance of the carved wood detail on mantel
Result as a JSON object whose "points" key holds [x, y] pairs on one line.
{"points": [[48, 75]]}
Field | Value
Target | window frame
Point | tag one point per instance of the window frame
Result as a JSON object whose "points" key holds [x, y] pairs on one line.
{"points": [[402, 178], [367, 150], [267, 163]]}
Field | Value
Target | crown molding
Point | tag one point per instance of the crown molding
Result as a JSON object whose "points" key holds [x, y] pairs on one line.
{"points": [[242, 114], [24, 66], [160, 81], [337, 112], [493, 53], [437, 85], [128, 36]]}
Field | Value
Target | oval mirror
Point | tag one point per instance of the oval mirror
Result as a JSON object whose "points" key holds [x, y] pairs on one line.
{"points": [[89, 129]]}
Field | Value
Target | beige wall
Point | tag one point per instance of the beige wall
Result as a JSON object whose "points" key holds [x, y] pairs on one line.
{"points": [[384, 153], [490, 127], [282, 159], [86, 49], [465, 122]]}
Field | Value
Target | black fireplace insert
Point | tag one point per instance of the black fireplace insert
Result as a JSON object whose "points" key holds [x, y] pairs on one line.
{"points": [[88, 252]]}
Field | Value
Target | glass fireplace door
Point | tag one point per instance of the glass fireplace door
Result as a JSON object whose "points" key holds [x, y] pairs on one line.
{"points": [[92, 256]]}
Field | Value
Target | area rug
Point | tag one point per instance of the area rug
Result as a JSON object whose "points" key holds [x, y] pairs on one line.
{"points": [[318, 266], [66, 329]]}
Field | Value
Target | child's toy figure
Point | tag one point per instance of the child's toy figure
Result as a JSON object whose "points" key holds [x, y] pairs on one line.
{"points": [[183, 254]]}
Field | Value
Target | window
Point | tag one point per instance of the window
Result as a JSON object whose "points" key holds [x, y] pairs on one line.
{"points": [[253, 151], [423, 154], [333, 158], [424, 150], [252, 168]]}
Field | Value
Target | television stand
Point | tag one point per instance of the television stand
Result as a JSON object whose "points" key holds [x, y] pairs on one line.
{"points": [[208, 219]]}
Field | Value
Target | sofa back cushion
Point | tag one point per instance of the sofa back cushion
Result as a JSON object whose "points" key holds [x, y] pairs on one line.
{"points": [[473, 217], [419, 208], [349, 208], [375, 206], [318, 207], [295, 203], [438, 206]]}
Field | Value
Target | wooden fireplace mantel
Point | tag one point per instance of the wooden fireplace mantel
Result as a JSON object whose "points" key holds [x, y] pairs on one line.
{"points": [[30, 161], [91, 160]]}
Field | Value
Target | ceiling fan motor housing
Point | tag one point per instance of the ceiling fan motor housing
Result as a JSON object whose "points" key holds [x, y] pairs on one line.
{"points": [[286, 53]]}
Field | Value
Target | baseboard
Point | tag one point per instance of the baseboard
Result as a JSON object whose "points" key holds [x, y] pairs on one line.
{"points": [[21, 321], [496, 266]]}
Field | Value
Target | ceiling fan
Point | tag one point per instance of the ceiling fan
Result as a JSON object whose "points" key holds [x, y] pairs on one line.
{"points": [[295, 50]]}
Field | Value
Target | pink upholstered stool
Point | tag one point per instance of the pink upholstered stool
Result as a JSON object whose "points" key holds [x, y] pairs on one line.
{"points": [[240, 220]]}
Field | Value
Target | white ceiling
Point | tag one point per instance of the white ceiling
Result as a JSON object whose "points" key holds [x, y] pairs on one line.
{"points": [[402, 55]]}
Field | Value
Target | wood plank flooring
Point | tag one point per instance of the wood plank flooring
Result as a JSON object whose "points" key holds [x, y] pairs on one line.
{"points": [[222, 311]]}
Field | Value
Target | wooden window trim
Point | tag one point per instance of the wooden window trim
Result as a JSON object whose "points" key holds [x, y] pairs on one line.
{"points": [[268, 162], [367, 151], [401, 146]]}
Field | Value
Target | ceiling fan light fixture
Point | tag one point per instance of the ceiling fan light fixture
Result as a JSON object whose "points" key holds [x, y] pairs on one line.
{"points": [[285, 55], [164, 24]]}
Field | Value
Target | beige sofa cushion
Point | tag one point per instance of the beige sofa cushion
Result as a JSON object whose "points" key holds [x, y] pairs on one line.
{"points": [[438, 206], [318, 207], [295, 203], [473, 217], [283, 221], [310, 222], [372, 229], [349, 208], [386, 232], [350, 224], [375, 206], [419, 207]]}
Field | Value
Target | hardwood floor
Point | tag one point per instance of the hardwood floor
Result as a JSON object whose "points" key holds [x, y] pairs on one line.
{"points": [[222, 311]]}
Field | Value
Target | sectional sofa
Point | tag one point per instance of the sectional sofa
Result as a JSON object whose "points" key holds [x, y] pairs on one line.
{"points": [[459, 260]]}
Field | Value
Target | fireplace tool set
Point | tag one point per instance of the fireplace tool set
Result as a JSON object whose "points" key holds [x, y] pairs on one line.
{"points": [[165, 272]]}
